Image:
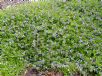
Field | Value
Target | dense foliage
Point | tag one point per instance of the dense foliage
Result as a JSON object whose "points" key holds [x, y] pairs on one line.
{"points": [[58, 35]]}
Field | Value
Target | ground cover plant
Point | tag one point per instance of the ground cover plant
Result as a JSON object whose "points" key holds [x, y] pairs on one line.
{"points": [[52, 35]]}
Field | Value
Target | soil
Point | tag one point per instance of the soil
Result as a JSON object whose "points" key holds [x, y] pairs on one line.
{"points": [[4, 4]]}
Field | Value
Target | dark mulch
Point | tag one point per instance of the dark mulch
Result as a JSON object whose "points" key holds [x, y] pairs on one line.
{"points": [[34, 72]]}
